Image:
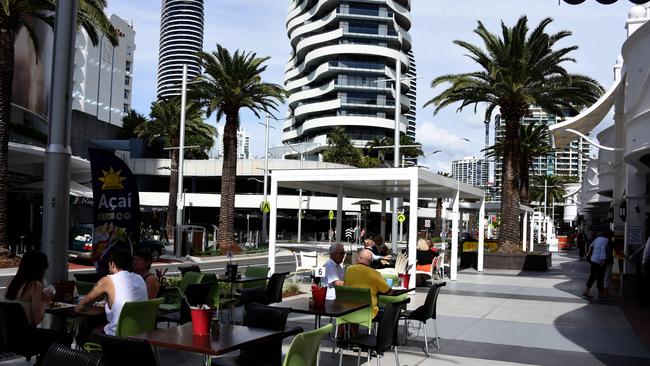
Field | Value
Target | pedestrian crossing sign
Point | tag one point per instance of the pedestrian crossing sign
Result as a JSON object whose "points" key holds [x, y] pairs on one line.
{"points": [[265, 207], [331, 215]]}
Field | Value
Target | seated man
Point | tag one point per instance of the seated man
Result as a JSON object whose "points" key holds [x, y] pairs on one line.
{"points": [[120, 286], [334, 272], [362, 276]]}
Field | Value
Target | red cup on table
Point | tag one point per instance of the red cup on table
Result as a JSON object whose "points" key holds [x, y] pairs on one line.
{"points": [[318, 294], [201, 321]]}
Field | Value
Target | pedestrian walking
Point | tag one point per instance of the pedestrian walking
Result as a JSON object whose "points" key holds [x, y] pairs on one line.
{"points": [[597, 255]]}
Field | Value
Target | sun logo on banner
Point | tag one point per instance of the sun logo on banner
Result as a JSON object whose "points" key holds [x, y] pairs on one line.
{"points": [[112, 179]]}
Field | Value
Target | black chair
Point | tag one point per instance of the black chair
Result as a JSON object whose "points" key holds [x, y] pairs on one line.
{"points": [[122, 351], [267, 353], [192, 268], [261, 295], [424, 313], [58, 355], [23, 338], [274, 287], [385, 339], [195, 294]]}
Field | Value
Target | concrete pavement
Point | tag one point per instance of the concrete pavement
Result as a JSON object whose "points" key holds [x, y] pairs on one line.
{"points": [[506, 318]]}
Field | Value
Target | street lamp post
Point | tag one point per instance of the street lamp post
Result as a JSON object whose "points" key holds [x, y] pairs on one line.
{"points": [[181, 156], [266, 175], [299, 195]]}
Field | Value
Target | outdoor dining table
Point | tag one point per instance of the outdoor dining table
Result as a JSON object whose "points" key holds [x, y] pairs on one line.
{"points": [[332, 308], [228, 339]]}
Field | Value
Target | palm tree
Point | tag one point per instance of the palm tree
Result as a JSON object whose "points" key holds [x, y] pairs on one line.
{"points": [[230, 82], [534, 142], [554, 189], [130, 122], [14, 16], [385, 156], [165, 124], [340, 149], [519, 68]]}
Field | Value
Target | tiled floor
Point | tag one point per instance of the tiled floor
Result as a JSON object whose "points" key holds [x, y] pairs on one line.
{"points": [[510, 318]]}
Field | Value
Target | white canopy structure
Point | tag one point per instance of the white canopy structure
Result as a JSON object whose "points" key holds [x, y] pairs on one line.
{"points": [[411, 183], [587, 120]]}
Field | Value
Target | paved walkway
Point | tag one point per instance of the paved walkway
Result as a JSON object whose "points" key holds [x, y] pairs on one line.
{"points": [[509, 318]]}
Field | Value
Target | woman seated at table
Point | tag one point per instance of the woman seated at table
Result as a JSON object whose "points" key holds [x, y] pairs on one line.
{"points": [[142, 266], [424, 256], [26, 289]]}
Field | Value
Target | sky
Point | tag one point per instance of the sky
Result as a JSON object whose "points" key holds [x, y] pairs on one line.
{"points": [[259, 26]]}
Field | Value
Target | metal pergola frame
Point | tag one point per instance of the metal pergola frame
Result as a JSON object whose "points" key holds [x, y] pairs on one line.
{"points": [[412, 183]]}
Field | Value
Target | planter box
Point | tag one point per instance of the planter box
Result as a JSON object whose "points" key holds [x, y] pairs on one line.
{"points": [[518, 261]]}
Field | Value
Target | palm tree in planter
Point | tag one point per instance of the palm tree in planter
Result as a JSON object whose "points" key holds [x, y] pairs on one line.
{"points": [[165, 124], [14, 16], [519, 68], [230, 82]]}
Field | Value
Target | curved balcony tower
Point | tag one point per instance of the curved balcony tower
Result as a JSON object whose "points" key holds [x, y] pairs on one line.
{"points": [[181, 37], [341, 71], [411, 74]]}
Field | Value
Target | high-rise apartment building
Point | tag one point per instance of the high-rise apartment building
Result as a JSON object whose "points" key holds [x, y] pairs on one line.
{"points": [[103, 75], [243, 144], [469, 171], [570, 162], [181, 37], [342, 68]]}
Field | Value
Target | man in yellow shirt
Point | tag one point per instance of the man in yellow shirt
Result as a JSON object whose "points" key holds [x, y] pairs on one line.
{"points": [[362, 276]]}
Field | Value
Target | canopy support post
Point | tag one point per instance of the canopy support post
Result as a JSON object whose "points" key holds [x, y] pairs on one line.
{"points": [[481, 236]]}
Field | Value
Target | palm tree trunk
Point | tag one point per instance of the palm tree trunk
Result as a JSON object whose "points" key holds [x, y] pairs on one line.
{"points": [[173, 193], [6, 79], [228, 176], [524, 183], [438, 222], [509, 231]]}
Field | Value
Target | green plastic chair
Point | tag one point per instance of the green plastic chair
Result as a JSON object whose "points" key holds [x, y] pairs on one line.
{"points": [[138, 317], [135, 317], [354, 294], [176, 293], [384, 300], [83, 287], [190, 278], [255, 271], [305, 347]]}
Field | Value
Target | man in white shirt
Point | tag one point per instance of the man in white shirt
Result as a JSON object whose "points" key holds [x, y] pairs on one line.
{"points": [[119, 287], [334, 272], [598, 250]]}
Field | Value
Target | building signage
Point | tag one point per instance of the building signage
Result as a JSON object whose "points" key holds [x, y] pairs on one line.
{"points": [[635, 235]]}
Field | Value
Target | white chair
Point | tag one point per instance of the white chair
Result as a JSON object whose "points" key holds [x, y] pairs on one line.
{"points": [[305, 262], [401, 262], [442, 265], [431, 271]]}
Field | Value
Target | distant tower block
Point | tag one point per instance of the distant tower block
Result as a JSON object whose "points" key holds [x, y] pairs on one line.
{"points": [[181, 38]]}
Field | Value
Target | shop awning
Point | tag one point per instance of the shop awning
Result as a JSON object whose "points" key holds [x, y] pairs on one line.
{"points": [[586, 121]]}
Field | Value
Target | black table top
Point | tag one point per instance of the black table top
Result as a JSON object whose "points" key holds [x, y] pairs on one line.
{"points": [[333, 308], [229, 338]]}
